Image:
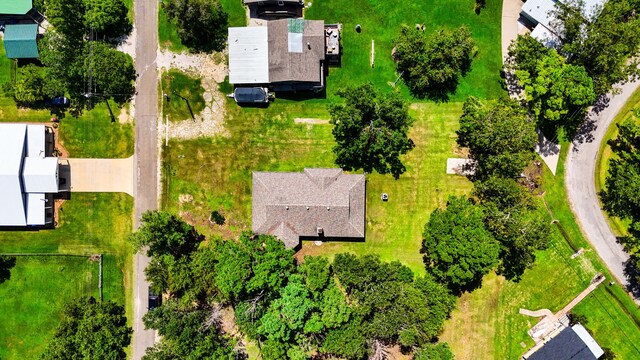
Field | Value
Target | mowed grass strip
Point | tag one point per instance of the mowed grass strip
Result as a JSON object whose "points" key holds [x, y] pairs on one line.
{"points": [[631, 110], [381, 22], [185, 95], [90, 223], [32, 300]]}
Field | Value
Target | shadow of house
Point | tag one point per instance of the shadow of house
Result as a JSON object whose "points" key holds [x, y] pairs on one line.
{"points": [[317, 204], [275, 9]]}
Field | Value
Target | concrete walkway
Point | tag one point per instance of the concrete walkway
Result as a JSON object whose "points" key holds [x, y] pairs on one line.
{"points": [[510, 15], [101, 175], [580, 183], [550, 321]]}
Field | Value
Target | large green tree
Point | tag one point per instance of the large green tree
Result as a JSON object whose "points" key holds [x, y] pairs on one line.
{"points": [[432, 64], [500, 137], [112, 71], [557, 88], [163, 233], [90, 329], [107, 18], [458, 249], [189, 333], [371, 129], [202, 24], [605, 42]]}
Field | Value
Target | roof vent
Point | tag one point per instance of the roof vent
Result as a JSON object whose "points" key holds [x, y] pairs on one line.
{"points": [[328, 208], [286, 208], [307, 208], [320, 231]]}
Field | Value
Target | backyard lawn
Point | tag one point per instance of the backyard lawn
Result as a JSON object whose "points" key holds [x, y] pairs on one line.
{"points": [[381, 21], [217, 173], [31, 301]]}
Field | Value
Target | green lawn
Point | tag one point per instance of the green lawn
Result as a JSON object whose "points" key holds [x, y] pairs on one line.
{"points": [[217, 173], [631, 110], [185, 93], [381, 21], [31, 301], [492, 311]]}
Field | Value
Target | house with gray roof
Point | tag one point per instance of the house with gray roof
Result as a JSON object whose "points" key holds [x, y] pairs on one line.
{"points": [[284, 55], [571, 343], [316, 204]]}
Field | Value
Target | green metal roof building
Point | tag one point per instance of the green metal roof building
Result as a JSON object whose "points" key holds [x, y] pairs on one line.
{"points": [[15, 7], [20, 41]]}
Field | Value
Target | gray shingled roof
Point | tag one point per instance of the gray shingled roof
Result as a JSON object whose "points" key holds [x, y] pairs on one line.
{"points": [[294, 205], [304, 66]]}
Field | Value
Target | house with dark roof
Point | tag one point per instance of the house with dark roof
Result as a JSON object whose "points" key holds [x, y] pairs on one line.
{"points": [[571, 343], [316, 204], [284, 55], [273, 9]]}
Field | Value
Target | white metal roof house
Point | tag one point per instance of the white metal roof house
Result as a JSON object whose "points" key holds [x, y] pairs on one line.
{"points": [[28, 177], [539, 14]]}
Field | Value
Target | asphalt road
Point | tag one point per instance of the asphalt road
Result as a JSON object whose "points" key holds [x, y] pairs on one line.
{"points": [[146, 154], [580, 182]]}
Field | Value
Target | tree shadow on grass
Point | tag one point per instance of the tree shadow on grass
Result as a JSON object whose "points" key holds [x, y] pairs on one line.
{"points": [[632, 273], [6, 264]]}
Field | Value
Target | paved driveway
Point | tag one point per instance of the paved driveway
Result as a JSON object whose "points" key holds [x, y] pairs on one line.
{"points": [[101, 175], [581, 189]]}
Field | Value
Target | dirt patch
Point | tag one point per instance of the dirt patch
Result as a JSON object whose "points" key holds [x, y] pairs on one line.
{"points": [[185, 198], [212, 70], [123, 117], [310, 121]]}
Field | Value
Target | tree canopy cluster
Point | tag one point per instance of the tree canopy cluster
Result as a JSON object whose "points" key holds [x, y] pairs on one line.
{"points": [[431, 64], [605, 42], [371, 129], [201, 24], [90, 329], [78, 55], [556, 92], [498, 228], [351, 308], [621, 196]]}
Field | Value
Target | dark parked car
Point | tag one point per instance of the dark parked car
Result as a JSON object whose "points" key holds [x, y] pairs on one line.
{"points": [[59, 101], [154, 300]]}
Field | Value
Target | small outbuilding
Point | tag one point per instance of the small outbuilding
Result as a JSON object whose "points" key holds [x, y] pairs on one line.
{"points": [[20, 41]]}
